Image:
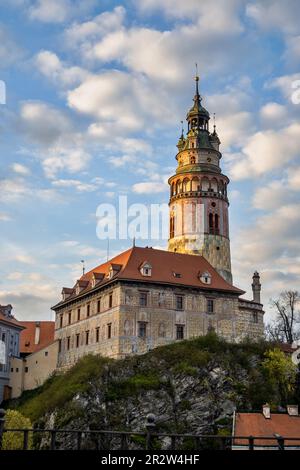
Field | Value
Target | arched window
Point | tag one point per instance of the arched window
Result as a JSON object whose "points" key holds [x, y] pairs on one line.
{"points": [[178, 187], [204, 184], [172, 226], [193, 160], [186, 185], [195, 184], [211, 223], [214, 185], [216, 224]]}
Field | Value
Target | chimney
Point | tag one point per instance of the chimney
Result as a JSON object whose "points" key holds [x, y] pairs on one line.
{"points": [[37, 332], [256, 287], [292, 410], [266, 411]]}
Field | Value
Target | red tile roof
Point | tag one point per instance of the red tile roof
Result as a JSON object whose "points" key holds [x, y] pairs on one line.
{"points": [[10, 320], [255, 424], [164, 265], [27, 340], [287, 348]]}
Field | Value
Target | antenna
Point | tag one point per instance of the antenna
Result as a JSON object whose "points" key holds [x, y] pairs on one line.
{"points": [[214, 122], [107, 256], [133, 241], [83, 266]]}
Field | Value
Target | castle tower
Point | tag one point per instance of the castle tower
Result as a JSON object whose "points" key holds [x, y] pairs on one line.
{"points": [[256, 287], [198, 194]]}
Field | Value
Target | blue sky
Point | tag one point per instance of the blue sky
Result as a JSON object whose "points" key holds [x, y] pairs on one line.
{"points": [[95, 95]]}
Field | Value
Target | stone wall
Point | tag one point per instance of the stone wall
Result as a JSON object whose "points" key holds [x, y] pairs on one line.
{"points": [[160, 317]]}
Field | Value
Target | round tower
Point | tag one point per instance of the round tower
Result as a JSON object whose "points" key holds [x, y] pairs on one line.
{"points": [[198, 194]]}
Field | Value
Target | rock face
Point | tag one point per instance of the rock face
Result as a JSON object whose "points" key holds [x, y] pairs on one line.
{"points": [[188, 395]]}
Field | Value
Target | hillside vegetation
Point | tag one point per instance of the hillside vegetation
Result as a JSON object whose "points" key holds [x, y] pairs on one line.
{"points": [[191, 386]]}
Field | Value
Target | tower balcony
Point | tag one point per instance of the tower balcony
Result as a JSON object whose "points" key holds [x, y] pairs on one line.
{"points": [[199, 194]]}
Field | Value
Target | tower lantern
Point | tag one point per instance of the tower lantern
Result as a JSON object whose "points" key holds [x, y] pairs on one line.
{"points": [[198, 193]]}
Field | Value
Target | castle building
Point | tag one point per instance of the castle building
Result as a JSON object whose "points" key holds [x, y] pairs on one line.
{"points": [[198, 199], [144, 298]]}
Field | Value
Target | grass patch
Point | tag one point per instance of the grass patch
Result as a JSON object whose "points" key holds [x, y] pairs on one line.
{"points": [[59, 389]]}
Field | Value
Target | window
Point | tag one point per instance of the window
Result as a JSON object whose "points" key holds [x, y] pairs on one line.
{"points": [[143, 299], [109, 331], [97, 334], [179, 331], [146, 269], [179, 302], [78, 314], [172, 226], [77, 340], [68, 342], [98, 305], [210, 306], [205, 277], [88, 310], [211, 223], [59, 345], [46, 353], [61, 321], [255, 317], [110, 300], [12, 369], [3, 337], [216, 224], [26, 369], [142, 329], [69, 317], [87, 334], [17, 369]]}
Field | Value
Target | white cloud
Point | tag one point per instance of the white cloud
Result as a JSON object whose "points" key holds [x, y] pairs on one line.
{"points": [[267, 151], [57, 11], [4, 217], [221, 14], [273, 114], [43, 123], [58, 146], [149, 188], [49, 64], [80, 33], [120, 102], [20, 169], [270, 14], [10, 52], [76, 184]]}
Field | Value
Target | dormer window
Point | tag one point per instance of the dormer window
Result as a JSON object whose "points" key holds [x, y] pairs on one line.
{"points": [[146, 269], [113, 270], [205, 277]]}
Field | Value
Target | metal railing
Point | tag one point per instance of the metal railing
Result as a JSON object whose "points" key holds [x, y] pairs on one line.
{"points": [[148, 440]]}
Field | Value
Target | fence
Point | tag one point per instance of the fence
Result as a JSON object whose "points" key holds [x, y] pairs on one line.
{"points": [[147, 440]]}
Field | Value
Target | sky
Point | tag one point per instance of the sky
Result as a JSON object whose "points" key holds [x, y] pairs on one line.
{"points": [[95, 95]]}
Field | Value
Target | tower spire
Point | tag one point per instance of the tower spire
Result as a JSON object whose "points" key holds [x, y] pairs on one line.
{"points": [[197, 94]]}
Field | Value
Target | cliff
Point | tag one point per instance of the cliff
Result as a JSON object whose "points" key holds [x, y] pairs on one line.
{"points": [[191, 386]]}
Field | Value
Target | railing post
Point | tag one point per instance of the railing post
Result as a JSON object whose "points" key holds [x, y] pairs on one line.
{"points": [[280, 441], [251, 443], [79, 436], [2, 422], [150, 425], [25, 441], [53, 437]]}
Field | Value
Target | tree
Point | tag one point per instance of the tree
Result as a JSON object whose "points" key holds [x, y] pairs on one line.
{"points": [[281, 373], [285, 327], [13, 440]]}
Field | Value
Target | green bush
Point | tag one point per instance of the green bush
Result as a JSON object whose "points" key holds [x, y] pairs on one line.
{"points": [[14, 440], [61, 388]]}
